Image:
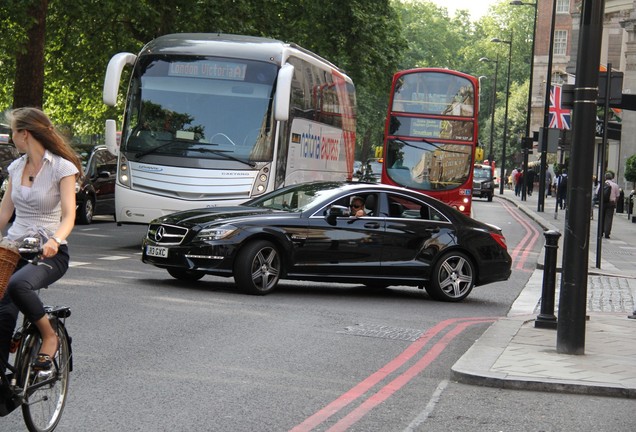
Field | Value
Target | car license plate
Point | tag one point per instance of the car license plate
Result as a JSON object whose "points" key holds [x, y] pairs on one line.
{"points": [[157, 251]]}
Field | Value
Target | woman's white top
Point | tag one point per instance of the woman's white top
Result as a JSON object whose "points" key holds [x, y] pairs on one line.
{"points": [[38, 206]]}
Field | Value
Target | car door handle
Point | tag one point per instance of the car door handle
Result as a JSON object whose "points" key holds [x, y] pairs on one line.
{"points": [[432, 230], [372, 225]]}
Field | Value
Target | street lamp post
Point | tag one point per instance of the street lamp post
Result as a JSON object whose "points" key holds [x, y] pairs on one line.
{"points": [[526, 149], [502, 181], [494, 99], [546, 114]]}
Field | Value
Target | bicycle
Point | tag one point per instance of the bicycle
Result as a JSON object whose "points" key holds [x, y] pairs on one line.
{"points": [[41, 393]]}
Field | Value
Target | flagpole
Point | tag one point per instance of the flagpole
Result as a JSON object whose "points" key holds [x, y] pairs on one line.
{"points": [[546, 116]]}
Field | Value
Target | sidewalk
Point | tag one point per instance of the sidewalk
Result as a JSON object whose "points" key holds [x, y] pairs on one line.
{"points": [[512, 353]]}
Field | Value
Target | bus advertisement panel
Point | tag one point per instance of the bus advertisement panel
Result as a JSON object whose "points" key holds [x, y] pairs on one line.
{"points": [[431, 134]]}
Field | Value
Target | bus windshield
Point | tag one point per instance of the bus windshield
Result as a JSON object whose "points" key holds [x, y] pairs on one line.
{"points": [[425, 165], [200, 108]]}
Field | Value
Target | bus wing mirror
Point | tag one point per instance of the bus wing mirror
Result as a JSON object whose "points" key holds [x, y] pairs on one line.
{"points": [[283, 92], [110, 136], [113, 76]]}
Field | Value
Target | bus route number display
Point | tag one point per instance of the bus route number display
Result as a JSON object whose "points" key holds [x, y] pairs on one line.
{"points": [[209, 70]]}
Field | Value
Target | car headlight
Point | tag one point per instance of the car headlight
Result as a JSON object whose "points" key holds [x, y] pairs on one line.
{"points": [[215, 233], [487, 185]]}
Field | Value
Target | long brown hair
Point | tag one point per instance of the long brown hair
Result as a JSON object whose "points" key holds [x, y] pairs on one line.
{"points": [[40, 126]]}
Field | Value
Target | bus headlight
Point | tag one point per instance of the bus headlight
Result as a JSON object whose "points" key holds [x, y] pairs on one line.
{"points": [[260, 185], [124, 177]]}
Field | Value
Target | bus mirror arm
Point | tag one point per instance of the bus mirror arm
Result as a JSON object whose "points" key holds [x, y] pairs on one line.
{"points": [[110, 136], [283, 92], [113, 76]]}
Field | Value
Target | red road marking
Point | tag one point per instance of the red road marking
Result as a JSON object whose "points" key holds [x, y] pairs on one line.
{"points": [[522, 247], [362, 387]]}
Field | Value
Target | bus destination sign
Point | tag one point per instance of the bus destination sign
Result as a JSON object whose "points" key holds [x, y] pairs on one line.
{"points": [[209, 70]]}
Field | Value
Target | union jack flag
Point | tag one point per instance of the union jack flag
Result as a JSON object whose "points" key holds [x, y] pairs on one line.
{"points": [[560, 118]]}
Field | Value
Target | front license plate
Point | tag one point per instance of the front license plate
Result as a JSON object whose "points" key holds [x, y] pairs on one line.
{"points": [[157, 251]]}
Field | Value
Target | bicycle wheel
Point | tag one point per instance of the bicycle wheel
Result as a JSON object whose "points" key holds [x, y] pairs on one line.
{"points": [[45, 392]]}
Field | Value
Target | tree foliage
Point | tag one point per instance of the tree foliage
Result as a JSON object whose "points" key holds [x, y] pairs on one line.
{"points": [[369, 39], [630, 169]]}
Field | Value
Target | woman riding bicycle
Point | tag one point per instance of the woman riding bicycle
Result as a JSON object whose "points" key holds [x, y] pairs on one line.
{"points": [[41, 190]]}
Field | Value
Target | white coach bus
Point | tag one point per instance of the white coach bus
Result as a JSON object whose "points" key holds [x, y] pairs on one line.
{"points": [[216, 119]]}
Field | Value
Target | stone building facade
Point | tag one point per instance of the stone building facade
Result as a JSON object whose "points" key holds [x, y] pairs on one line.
{"points": [[618, 48]]}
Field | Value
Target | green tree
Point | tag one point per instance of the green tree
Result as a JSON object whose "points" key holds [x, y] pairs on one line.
{"points": [[630, 170]]}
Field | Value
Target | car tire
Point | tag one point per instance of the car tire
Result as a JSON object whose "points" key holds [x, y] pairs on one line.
{"points": [[453, 277], [258, 267], [185, 275], [85, 212]]}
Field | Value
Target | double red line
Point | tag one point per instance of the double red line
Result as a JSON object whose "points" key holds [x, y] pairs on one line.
{"points": [[520, 253], [379, 396]]}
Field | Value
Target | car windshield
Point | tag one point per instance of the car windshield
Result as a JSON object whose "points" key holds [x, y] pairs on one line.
{"points": [[481, 173], [296, 198]]}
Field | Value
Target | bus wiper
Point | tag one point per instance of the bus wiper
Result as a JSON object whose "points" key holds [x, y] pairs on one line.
{"points": [[154, 149], [225, 155]]}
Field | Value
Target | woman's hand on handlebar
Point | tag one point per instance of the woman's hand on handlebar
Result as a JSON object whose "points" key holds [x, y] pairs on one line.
{"points": [[50, 248]]}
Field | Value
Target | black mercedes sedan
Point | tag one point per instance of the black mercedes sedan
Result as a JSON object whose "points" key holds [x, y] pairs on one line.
{"points": [[371, 234]]}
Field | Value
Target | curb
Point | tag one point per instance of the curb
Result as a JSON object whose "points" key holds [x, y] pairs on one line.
{"points": [[487, 349]]}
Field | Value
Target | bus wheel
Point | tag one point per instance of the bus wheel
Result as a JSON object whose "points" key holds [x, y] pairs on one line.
{"points": [[185, 275], [258, 267], [453, 277]]}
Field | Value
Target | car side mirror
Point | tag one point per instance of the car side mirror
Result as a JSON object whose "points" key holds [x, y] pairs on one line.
{"points": [[336, 211]]}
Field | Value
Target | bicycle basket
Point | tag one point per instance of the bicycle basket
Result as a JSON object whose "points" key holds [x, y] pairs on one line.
{"points": [[9, 257]]}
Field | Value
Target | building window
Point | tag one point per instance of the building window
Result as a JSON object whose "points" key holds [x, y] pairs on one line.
{"points": [[563, 6], [560, 42]]}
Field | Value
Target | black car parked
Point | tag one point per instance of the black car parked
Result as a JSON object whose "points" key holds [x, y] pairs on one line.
{"points": [[95, 191], [306, 232]]}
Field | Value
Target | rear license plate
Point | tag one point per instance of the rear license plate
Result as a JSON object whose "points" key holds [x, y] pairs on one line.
{"points": [[157, 251]]}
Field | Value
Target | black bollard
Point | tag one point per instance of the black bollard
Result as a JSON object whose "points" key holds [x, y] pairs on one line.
{"points": [[546, 317], [620, 202]]}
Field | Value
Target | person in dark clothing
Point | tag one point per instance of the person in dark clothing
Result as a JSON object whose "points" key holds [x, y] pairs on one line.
{"points": [[562, 189], [529, 178]]}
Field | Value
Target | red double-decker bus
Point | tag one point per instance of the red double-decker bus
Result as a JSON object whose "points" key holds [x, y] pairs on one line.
{"points": [[431, 134]]}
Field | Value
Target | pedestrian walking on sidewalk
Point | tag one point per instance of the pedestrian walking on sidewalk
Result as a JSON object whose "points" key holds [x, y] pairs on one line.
{"points": [[529, 181], [562, 189], [610, 193], [515, 180]]}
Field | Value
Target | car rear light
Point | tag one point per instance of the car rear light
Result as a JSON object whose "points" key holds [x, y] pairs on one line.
{"points": [[500, 239]]}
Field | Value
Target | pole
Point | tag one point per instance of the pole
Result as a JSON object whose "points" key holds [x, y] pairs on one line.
{"points": [[573, 295], [492, 119], [502, 181], [546, 318], [526, 150], [546, 115], [601, 182]]}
